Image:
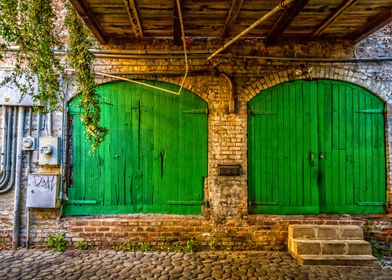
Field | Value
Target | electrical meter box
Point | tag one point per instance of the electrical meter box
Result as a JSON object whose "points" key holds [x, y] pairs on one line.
{"points": [[49, 153], [28, 143], [42, 191]]}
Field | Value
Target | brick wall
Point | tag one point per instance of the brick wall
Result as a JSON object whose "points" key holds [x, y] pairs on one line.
{"points": [[225, 220]]}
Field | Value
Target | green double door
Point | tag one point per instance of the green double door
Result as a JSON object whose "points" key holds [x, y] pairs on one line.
{"points": [[316, 147], [154, 159]]}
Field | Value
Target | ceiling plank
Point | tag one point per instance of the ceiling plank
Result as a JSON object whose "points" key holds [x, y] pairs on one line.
{"points": [[133, 15], [284, 21], [332, 17], [372, 26], [90, 20], [176, 24], [231, 17]]}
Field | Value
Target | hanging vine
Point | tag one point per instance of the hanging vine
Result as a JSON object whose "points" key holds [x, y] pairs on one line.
{"points": [[81, 59], [30, 26]]}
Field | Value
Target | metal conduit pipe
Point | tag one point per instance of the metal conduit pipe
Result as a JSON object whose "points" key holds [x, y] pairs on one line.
{"points": [[6, 142], [4, 139], [156, 54], [50, 124], [18, 178], [28, 168], [11, 179], [9, 152]]}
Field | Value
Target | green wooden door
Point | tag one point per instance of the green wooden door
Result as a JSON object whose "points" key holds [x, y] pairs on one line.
{"points": [[316, 147], [153, 161]]}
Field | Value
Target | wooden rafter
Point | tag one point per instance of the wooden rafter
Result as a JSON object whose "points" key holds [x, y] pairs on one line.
{"points": [[284, 21], [89, 19], [373, 25], [133, 15], [176, 25], [231, 17], [332, 17]]}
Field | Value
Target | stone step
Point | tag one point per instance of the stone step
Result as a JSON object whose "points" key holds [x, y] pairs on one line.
{"points": [[327, 232], [329, 247], [349, 260]]}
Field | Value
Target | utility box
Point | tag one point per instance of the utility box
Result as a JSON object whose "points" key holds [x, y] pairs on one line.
{"points": [[49, 153], [42, 191]]}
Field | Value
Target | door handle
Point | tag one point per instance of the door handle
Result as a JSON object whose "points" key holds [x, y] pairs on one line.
{"points": [[312, 158], [321, 155]]}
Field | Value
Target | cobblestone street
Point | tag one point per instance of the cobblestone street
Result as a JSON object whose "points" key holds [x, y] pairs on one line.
{"points": [[33, 264]]}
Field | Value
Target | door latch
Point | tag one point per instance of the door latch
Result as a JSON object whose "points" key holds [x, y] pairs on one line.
{"points": [[321, 155], [312, 159]]}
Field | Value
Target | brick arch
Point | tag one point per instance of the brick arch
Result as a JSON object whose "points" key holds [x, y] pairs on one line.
{"points": [[340, 74], [319, 72]]}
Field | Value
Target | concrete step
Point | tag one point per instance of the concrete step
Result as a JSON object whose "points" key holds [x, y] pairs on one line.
{"points": [[327, 232], [301, 246], [349, 260]]}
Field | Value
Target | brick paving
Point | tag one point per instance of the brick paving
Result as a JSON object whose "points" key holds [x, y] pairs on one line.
{"points": [[33, 264]]}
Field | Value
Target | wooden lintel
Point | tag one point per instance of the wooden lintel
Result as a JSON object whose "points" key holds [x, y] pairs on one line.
{"points": [[89, 19], [176, 25], [332, 17], [133, 15], [372, 26], [231, 17], [284, 21]]}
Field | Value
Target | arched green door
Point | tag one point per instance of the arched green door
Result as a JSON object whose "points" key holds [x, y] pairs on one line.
{"points": [[153, 161], [316, 147]]}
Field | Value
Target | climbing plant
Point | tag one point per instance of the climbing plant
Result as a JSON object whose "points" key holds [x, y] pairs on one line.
{"points": [[81, 59], [29, 25]]}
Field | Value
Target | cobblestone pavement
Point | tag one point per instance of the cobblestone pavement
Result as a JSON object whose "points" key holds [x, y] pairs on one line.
{"points": [[33, 264]]}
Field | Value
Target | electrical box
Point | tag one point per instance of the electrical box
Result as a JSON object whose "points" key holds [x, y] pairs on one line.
{"points": [[49, 153], [28, 143], [42, 191]]}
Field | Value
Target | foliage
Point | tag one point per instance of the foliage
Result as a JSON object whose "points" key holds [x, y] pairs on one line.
{"points": [[129, 247], [380, 249], [213, 245], [83, 245], [81, 58], [57, 242], [30, 26]]}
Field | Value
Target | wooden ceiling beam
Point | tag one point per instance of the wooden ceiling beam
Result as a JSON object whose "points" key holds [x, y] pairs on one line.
{"points": [[176, 24], [133, 15], [332, 17], [231, 17], [372, 26], [90, 20], [284, 21]]}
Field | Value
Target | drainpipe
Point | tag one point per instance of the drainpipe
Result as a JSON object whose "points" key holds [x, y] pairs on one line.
{"points": [[8, 183], [18, 177]]}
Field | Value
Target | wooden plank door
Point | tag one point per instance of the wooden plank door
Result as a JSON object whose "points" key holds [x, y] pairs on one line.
{"points": [[282, 152], [316, 146], [352, 149], [154, 159]]}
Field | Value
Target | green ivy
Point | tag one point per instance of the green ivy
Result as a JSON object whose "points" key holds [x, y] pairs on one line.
{"points": [[30, 26], [81, 58]]}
